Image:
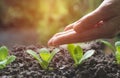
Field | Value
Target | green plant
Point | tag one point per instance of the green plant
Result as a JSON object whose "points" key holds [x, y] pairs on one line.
{"points": [[5, 58], [108, 44], [117, 54], [44, 57], [77, 54], [115, 49]]}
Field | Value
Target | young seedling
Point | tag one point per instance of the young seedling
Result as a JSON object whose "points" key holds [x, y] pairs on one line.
{"points": [[117, 54], [115, 49], [5, 58], [44, 57], [77, 54], [108, 44]]}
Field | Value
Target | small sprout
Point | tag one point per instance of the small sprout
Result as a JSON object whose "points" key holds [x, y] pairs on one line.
{"points": [[108, 44], [77, 55], [117, 54], [44, 57], [5, 59], [115, 49]]}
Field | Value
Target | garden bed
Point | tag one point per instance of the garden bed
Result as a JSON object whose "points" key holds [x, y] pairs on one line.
{"points": [[97, 66]]}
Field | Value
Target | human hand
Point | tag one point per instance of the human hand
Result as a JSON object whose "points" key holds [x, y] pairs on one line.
{"points": [[104, 22]]}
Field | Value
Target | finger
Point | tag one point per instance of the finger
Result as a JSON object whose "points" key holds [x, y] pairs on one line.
{"points": [[107, 30], [68, 27], [64, 32], [90, 20], [73, 37], [61, 39], [61, 33]]}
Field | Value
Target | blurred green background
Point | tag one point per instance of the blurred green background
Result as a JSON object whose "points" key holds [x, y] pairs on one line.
{"points": [[45, 17]]}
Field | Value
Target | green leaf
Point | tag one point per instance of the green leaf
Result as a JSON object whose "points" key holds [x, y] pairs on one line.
{"points": [[87, 55], [78, 53], [117, 45], [117, 57], [44, 54], [71, 48], [108, 44], [5, 58], [3, 64], [10, 59], [3, 53], [47, 56], [53, 54], [36, 56]]}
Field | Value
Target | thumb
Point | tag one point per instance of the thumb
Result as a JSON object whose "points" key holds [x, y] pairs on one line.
{"points": [[90, 20]]}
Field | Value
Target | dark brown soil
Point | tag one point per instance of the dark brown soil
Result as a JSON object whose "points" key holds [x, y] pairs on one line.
{"points": [[98, 66]]}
